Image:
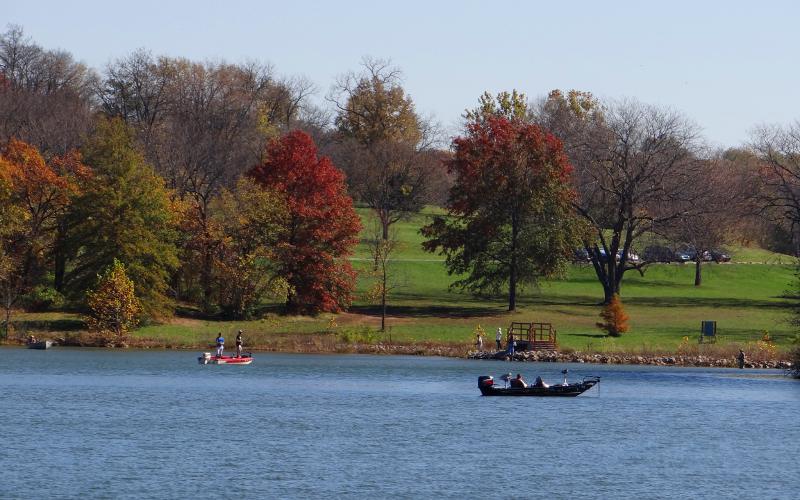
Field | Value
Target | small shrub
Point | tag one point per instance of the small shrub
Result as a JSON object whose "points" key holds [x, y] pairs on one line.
{"points": [[113, 307], [615, 321], [363, 335]]}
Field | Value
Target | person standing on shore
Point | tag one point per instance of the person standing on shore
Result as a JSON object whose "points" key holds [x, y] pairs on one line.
{"points": [[499, 337], [479, 342], [740, 359], [239, 344]]}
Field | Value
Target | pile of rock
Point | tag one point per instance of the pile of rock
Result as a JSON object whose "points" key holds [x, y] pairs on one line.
{"points": [[624, 359]]}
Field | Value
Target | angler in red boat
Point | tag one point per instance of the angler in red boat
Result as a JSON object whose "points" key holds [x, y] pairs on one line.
{"points": [[220, 344], [239, 344]]}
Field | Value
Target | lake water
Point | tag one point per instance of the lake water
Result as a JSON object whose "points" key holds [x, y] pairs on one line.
{"points": [[82, 423]]}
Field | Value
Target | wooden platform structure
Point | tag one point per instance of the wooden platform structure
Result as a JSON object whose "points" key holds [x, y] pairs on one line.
{"points": [[533, 336]]}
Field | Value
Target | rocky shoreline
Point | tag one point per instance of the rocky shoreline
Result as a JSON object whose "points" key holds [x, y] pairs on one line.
{"points": [[626, 359], [456, 351]]}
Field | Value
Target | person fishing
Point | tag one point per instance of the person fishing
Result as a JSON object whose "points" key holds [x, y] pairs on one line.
{"points": [[220, 340], [239, 344], [519, 382], [740, 359]]}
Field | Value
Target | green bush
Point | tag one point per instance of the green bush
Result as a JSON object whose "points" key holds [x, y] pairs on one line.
{"points": [[43, 298], [363, 335]]}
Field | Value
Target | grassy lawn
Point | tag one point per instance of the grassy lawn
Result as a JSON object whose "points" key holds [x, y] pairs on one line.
{"points": [[664, 305]]}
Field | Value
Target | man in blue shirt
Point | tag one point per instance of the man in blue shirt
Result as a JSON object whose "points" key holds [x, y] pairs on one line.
{"points": [[220, 344]]}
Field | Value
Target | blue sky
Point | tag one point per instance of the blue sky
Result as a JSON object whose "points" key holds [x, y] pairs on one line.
{"points": [[727, 65]]}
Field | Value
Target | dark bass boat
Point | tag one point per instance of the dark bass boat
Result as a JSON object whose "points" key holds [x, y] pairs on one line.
{"points": [[208, 359], [539, 388], [41, 344]]}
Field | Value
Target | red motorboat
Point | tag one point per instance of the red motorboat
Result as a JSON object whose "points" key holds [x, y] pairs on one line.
{"points": [[208, 359]]}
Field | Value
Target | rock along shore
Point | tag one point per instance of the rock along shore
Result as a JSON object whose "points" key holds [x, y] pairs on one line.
{"points": [[625, 359]]}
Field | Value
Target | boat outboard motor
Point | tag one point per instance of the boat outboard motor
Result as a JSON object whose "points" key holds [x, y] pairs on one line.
{"points": [[485, 381], [205, 358]]}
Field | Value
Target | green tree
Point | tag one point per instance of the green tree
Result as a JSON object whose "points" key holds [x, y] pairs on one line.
{"points": [[248, 222], [124, 213], [510, 105], [510, 217], [113, 306]]}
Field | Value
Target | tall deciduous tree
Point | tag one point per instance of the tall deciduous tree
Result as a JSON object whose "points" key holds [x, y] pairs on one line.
{"points": [[321, 228], [384, 142], [38, 194], [778, 193], [633, 163], [719, 191], [45, 95], [510, 217], [124, 213], [201, 126], [249, 222]]}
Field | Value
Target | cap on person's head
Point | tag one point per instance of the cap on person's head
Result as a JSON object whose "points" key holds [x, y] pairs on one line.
{"points": [[240, 331]]}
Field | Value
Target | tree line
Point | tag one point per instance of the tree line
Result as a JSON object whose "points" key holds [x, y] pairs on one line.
{"points": [[221, 184]]}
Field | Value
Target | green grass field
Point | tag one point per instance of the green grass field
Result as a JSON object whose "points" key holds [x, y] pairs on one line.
{"points": [[664, 306]]}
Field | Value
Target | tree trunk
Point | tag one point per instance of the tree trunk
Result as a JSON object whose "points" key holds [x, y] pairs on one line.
{"points": [[7, 328], [698, 278], [383, 310], [60, 258], [512, 279]]}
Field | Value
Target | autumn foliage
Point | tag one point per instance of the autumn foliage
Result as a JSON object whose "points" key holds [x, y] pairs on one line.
{"points": [[510, 216], [321, 227], [615, 321], [112, 304]]}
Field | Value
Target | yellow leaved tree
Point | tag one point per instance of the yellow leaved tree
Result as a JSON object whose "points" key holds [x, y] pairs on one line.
{"points": [[113, 306]]}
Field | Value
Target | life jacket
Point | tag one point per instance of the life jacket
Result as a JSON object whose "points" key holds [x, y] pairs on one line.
{"points": [[220, 340]]}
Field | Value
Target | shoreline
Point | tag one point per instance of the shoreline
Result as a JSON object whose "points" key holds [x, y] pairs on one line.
{"points": [[629, 359], [455, 351]]}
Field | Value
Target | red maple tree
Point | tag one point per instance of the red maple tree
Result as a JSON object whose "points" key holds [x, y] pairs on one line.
{"points": [[321, 228], [510, 218]]}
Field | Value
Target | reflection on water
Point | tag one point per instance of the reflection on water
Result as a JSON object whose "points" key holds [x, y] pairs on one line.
{"points": [[140, 424]]}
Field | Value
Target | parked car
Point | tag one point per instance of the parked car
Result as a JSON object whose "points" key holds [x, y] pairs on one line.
{"points": [[632, 257], [581, 255], [718, 256], [657, 253]]}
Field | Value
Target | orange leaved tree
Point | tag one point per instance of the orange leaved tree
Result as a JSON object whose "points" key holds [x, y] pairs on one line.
{"points": [[615, 321]]}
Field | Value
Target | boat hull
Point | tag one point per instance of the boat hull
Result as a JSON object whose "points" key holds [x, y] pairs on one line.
{"points": [[44, 344], [207, 359], [487, 388]]}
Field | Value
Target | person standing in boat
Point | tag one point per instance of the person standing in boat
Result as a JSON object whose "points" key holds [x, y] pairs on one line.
{"points": [[220, 344], [499, 337], [239, 344]]}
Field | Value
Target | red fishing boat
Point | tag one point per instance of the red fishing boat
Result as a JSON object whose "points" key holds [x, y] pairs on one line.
{"points": [[208, 359]]}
